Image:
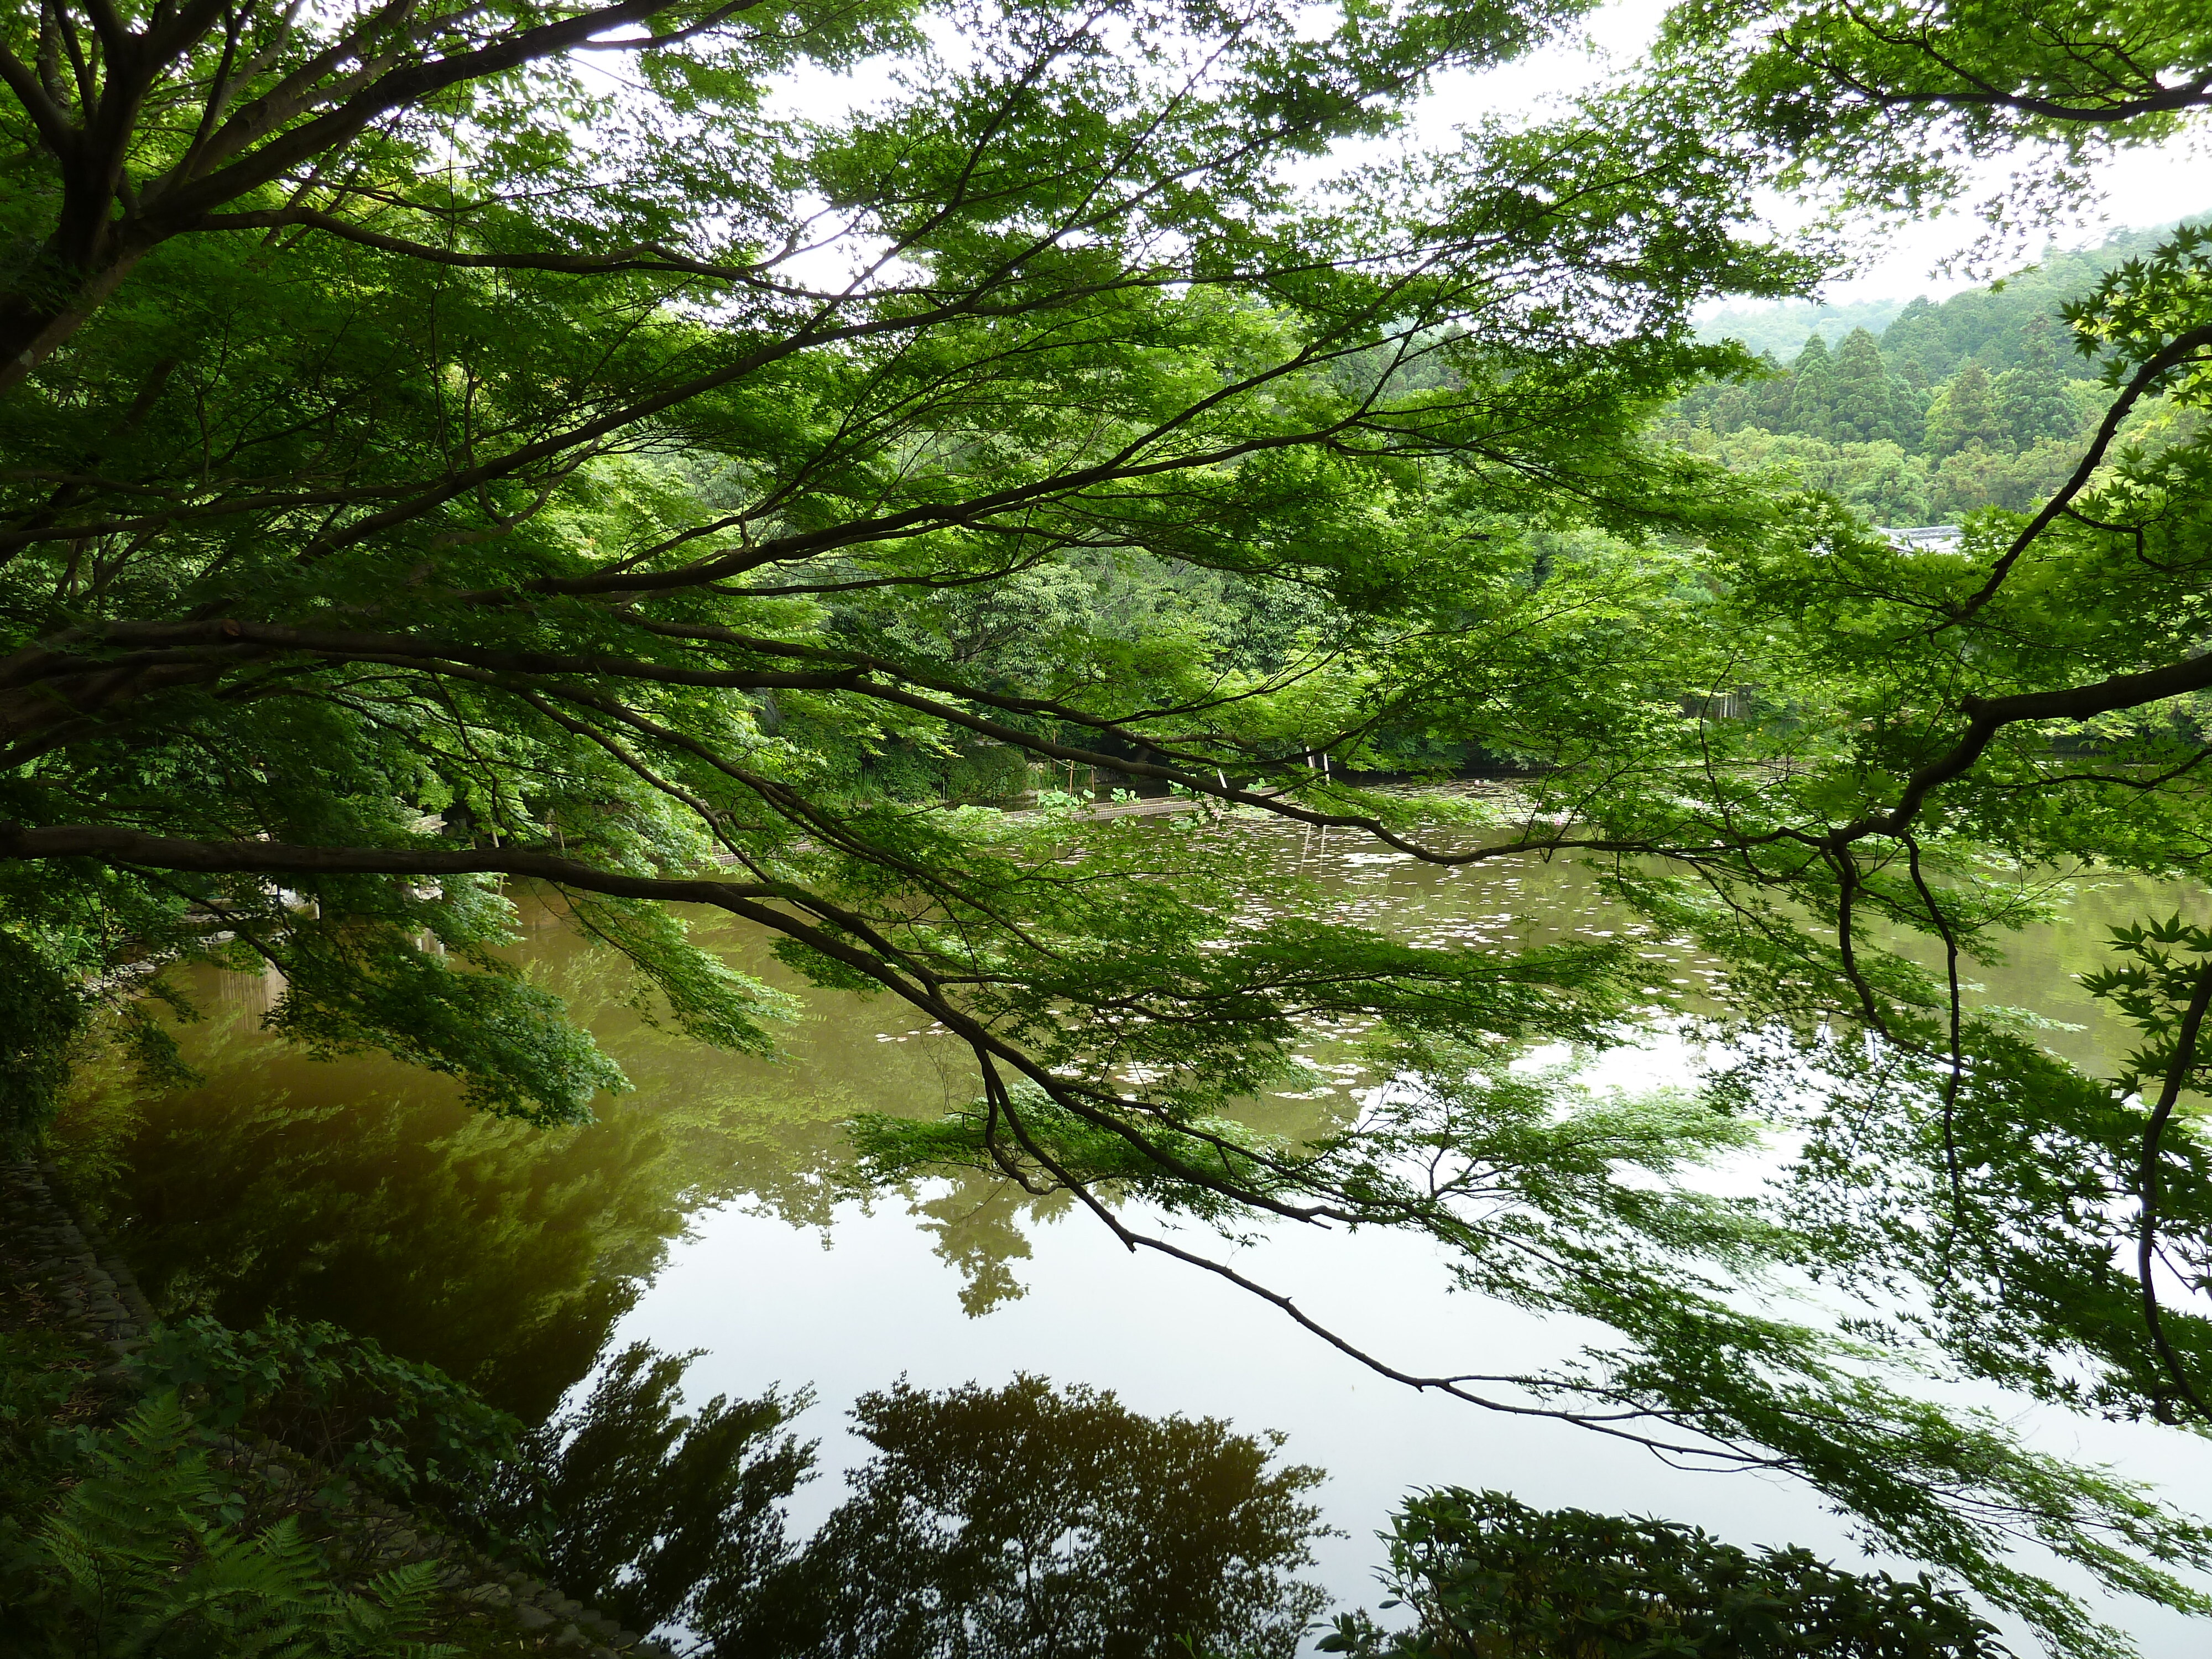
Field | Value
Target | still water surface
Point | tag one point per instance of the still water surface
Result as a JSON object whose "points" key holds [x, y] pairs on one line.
{"points": [[702, 1212]]}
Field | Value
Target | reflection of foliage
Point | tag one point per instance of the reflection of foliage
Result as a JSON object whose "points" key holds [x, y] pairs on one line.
{"points": [[979, 1226], [1026, 1521], [1556, 1201], [502, 1253], [373, 989], [2037, 1271], [978, 1138], [1489, 1577], [650, 1514], [499, 1253], [1539, 1183], [707, 999]]}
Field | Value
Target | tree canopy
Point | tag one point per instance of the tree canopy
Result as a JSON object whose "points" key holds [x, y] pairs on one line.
{"points": [[451, 451]]}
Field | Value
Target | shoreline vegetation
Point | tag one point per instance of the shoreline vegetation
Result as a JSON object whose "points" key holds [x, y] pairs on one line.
{"points": [[231, 1542]]}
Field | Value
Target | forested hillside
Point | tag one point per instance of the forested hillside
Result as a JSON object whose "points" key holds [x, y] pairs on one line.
{"points": [[1979, 401]]}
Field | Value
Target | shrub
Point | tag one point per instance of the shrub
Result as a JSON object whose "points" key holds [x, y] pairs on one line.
{"points": [[338, 1400]]}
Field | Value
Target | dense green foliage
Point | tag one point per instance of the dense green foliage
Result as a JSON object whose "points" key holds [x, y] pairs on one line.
{"points": [[1487, 1578], [41, 1017], [142, 1526], [146, 1556], [1991, 324], [435, 472], [336, 1399], [1898, 99], [1976, 402]]}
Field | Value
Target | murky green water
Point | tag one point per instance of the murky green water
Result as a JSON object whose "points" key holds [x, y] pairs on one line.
{"points": [[701, 1212]]}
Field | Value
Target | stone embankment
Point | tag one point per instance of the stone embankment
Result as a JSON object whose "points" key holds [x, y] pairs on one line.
{"points": [[102, 1301], [103, 1306]]}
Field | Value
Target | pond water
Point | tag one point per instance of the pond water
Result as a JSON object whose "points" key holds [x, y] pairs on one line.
{"points": [[702, 1212]]}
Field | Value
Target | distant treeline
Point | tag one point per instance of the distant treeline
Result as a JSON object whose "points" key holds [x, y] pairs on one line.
{"points": [[1979, 401], [1967, 322]]}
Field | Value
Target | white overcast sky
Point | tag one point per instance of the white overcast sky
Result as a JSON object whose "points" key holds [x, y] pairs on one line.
{"points": [[2141, 188]]}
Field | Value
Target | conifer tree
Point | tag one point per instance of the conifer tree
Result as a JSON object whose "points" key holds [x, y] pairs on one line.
{"points": [[2032, 400], [1916, 342], [1733, 407], [1769, 409], [1964, 412], [1869, 407], [1813, 394]]}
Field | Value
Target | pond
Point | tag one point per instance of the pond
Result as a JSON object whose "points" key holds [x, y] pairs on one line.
{"points": [[702, 1212]]}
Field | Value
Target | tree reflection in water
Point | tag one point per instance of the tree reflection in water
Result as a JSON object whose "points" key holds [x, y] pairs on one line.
{"points": [[367, 1195], [646, 1511], [1020, 1522]]}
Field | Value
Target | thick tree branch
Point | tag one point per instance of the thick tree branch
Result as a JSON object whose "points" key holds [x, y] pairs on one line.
{"points": [[1991, 715], [645, 255], [2175, 352], [2146, 1186], [113, 844]]}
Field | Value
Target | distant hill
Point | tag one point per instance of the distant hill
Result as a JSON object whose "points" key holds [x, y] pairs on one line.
{"points": [[1919, 413], [1780, 331], [1988, 324]]}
